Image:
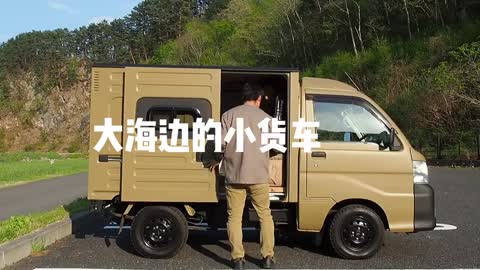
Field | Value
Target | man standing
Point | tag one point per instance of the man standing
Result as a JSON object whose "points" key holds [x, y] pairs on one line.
{"points": [[247, 173]]}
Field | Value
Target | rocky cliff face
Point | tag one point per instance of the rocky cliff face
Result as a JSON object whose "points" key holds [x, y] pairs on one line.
{"points": [[53, 120]]}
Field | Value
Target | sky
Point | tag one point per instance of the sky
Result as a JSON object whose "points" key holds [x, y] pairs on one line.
{"points": [[19, 16]]}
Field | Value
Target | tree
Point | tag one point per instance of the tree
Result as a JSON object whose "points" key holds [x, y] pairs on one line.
{"points": [[154, 22]]}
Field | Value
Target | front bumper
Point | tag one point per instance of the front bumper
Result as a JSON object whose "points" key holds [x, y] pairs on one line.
{"points": [[424, 208]]}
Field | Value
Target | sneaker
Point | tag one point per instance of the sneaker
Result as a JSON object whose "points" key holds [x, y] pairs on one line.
{"points": [[268, 262], [239, 264]]}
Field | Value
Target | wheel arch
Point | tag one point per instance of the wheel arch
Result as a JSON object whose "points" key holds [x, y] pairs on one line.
{"points": [[368, 203], [140, 205]]}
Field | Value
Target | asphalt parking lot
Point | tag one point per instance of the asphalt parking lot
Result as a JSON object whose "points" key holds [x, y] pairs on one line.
{"points": [[457, 203]]}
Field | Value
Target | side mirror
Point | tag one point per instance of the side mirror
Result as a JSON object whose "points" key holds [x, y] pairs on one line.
{"points": [[393, 146]]}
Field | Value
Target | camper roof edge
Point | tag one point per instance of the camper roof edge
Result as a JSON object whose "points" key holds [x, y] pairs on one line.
{"points": [[223, 68]]}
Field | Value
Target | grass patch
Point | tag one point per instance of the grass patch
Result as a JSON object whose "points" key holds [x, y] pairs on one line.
{"points": [[30, 166], [17, 226], [38, 246], [21, 156], [26, 156]]}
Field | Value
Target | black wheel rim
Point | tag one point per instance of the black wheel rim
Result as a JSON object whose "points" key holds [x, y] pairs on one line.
{"points": [[159, 233], [358, 233]]}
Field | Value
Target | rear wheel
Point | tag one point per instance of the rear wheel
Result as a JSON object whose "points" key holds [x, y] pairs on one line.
{"points": [[356, 232], [159, 231]]}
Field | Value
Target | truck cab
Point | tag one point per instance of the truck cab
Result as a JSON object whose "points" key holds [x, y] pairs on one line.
{"points": [[364, 179]]}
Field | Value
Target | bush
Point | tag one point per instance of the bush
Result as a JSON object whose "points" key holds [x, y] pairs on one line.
{"points": [[75, 145], [3, 143], [165, 54]]}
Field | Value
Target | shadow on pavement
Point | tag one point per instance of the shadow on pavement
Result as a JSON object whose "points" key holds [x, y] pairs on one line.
{"points": [[200, 241], [93, 225]]}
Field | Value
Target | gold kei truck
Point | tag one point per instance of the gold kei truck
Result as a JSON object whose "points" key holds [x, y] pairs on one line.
{"points": [[363, 180]]}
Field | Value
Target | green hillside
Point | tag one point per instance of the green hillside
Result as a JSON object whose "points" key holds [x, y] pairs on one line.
{"points": [[420, 60]]}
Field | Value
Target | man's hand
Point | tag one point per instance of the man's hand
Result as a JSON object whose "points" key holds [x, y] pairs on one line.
{"points": [[213, 165]]}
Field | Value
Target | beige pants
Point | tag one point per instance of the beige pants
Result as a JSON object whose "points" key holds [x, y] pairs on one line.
{"points": [[259, 194]]}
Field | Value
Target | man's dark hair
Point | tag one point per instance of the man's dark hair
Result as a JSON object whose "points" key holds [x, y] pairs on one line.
{"points": [[251, 91]]}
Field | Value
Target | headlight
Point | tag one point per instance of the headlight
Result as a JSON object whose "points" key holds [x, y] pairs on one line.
{"points": [[420, 172]]}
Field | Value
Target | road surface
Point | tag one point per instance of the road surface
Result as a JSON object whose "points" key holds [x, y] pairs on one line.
{"points": [[457, 203], [41, 195]]}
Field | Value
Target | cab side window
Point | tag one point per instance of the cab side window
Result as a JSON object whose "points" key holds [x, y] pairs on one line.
{"points": [[349, 120]]}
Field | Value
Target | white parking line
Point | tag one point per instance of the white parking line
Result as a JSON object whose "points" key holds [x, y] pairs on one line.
{"points": [[445, 227]]}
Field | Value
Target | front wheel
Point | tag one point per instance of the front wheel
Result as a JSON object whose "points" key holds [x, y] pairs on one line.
{"points": [[159, 231], [356, 232]]}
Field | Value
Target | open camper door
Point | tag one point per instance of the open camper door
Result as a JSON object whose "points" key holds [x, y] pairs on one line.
{"points": [[106, 102], [154, 93]]}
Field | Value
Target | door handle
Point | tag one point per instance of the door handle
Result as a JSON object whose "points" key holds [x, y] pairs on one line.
{"points": [[107, 158], [319, 154]]}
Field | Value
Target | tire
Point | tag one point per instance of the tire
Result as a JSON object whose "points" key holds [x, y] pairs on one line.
{"points": [[356, 232], [159, 232]]}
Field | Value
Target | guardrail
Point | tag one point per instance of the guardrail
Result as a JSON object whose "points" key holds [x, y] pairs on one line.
{"points": [[453, 163]]}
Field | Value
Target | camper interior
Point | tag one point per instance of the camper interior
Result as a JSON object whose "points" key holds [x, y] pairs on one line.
{"points": [[274, 103]]}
